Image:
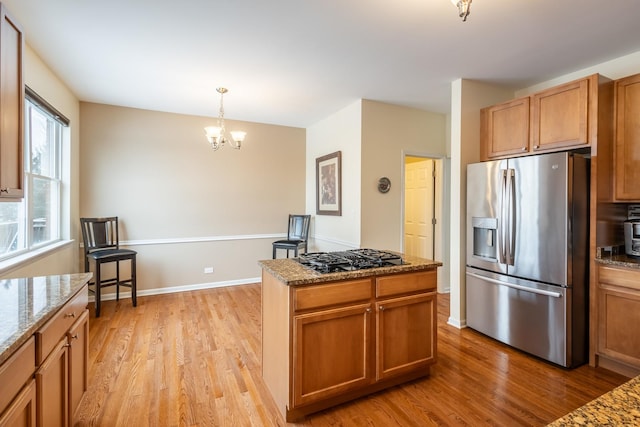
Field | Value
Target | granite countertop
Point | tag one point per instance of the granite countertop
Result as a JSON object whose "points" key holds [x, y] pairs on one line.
{"points": [[620, 260], [27, 303], [619, 407], [292, 273]]}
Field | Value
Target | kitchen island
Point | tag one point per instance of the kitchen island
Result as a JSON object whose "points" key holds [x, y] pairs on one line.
{"points": [[333, 337]]}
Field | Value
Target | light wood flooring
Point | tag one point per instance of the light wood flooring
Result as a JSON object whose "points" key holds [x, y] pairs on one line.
{"points": [[193, 359]]}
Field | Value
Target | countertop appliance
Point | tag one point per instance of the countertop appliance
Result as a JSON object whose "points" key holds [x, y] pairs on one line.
{"points": [[350, 260], [527, 254], [632, 237]]}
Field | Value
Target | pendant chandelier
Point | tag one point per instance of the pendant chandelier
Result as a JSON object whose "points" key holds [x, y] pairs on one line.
{"points": [[216, 135], [464, 8]]}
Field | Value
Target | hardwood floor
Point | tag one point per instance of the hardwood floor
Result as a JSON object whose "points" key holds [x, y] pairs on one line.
{"points": [[193, 359]]}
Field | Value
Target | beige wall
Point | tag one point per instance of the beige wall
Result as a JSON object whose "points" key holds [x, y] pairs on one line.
{"points": [[182, 206], [388, 132], [342, 131], [373, 138], [41, 79]]}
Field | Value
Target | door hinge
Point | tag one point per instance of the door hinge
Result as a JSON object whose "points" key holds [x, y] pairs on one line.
{"points": [[434, 221]]}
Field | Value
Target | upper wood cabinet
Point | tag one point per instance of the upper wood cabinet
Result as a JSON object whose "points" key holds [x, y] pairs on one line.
{"points": [[560, 118], [11, 107], [505, 129], [627, 139]]}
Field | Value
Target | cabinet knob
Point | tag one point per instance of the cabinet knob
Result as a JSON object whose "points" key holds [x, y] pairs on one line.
{"points": [[368, 310], [535, 147], [74, 337], [4, 190], [382, 308], [70, 315], [524, 148]]}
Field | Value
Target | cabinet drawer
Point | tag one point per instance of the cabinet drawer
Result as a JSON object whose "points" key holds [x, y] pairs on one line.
{"points": [[49, 335], [16, 371], [619, 277], [331, 294], [405, 283]]}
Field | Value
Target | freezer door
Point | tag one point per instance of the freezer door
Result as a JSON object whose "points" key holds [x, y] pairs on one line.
{"points": [[485, 212], [528, 316], [539, 227]]}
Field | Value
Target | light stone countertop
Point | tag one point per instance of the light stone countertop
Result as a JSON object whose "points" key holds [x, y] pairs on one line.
{"points": [[27, 303], [292, 273]]}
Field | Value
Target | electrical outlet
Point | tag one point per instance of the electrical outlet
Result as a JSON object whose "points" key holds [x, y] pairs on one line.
{"points": [[208, 270]]}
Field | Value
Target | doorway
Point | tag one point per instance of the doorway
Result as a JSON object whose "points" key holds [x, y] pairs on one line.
{"points": [[422, 224]]}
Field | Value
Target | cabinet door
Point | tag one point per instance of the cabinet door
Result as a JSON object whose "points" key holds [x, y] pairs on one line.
{"points": [[406, 334], [52, 403], [505, 129], [627, 145], [619, 314], [22, 411], [78, 337], [560, 117], [12, 107], [331, 353]]}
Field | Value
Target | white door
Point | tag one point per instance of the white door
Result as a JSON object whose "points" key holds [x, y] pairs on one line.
{"points": [[419, 207]]}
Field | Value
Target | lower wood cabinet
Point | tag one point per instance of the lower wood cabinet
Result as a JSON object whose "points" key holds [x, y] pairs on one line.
{"points": [[22, 411], [328, 343], [17, 387], [332, 352], [405, 341], [618, 303], [52, 381]]}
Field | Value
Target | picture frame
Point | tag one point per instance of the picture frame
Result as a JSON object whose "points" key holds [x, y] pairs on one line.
{"points": [[329, 184]]}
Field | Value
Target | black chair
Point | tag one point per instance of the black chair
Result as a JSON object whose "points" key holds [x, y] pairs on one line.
{"points": [[101, 244], [297, 235]]}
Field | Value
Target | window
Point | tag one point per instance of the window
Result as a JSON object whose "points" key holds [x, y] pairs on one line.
{"points": [[35, 221]]}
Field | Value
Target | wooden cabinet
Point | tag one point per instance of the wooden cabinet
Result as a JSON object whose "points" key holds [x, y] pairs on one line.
{"points": [[78, 340], [332, 352], [505, 129], [62, 353], [22, 412], [17, 389], [560, 118], [404, 339], [627, 139], [327, 343], [52, 385], [618, 345], [11, 107]]}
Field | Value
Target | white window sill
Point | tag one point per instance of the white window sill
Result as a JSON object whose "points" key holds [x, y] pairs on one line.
{"points": [[31, 256]]}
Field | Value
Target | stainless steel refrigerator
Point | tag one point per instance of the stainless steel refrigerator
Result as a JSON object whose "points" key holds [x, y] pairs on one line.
{"points": [[527, 254]]}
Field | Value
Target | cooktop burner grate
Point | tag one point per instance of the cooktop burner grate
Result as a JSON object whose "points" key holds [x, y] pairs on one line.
{"points": [[350, 260]]}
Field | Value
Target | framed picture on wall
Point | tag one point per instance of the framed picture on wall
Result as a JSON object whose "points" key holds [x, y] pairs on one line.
{"points": [[329, 184]]}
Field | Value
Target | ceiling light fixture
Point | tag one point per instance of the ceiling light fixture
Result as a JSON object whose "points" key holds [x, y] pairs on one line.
{"points": [[216, 134], [464, 8]]}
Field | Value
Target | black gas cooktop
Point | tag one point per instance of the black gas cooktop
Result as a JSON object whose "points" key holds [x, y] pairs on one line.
{"points": [[355, 259]]}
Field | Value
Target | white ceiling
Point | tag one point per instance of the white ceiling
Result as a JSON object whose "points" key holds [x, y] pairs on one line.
{"points": [[294, 62]]}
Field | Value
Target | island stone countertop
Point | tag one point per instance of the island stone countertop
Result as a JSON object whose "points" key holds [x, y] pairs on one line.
{"points": [[619, 407], [292, 273], [27, 303]]}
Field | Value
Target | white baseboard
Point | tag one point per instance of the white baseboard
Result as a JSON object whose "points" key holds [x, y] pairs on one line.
{"points": [[460, 324], [183, 288]]}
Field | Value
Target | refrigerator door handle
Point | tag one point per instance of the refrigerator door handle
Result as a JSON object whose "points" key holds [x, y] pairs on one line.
{"points": [[511, 227], [502, 229], [518, 287]]}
